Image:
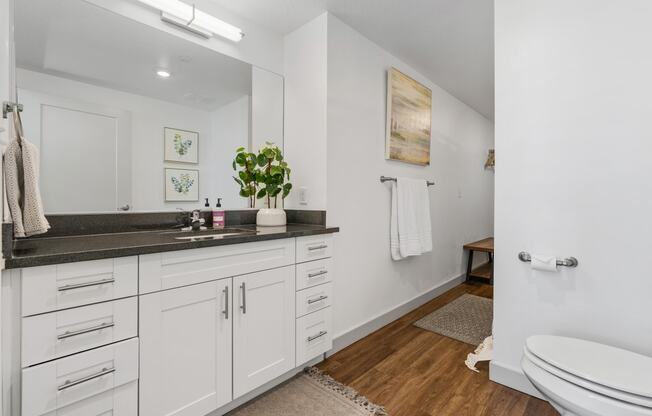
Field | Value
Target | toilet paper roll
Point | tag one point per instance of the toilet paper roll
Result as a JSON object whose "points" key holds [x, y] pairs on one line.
{"points": [[544, 263]]}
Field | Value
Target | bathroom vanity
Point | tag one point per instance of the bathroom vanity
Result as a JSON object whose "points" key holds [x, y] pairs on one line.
{"points": [[166, 332]]}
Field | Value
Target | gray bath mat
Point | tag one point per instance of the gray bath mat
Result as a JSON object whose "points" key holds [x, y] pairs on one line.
{"points": [[467, 319], [312, 393]]}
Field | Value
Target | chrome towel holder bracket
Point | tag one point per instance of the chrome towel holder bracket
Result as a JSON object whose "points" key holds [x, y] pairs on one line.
{"points": [[525, 257], [8, 107]]}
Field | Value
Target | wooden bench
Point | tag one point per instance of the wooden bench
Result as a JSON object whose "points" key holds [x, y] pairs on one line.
{"points": [[484, 272]]}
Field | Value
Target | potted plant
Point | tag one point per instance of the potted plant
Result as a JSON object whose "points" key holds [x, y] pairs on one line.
{"points": [[264, 175], [274, 172]]}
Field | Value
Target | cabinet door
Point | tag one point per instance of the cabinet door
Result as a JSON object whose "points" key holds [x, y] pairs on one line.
{"points": [[264, 327], [185, 349]]}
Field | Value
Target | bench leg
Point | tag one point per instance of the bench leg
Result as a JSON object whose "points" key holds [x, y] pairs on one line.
{"points": [[469, 266]]}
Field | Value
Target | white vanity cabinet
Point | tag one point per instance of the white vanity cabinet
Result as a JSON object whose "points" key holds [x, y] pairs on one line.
{"points": [[185, 349], [181, 333], [263, 328]]}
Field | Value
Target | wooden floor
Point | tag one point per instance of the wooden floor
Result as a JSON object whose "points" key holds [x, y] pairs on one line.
{"points": [[414, 372]]}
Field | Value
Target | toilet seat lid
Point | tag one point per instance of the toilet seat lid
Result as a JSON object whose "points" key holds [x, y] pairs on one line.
{"points": [[601, 364]]}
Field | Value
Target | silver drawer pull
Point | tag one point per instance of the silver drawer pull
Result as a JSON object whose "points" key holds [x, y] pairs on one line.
{"points": [[226, 302], [319, 273], [88, 284], [99, 327], [71, 383], [314, 337], [320, 247], [244, 298], [319, 299]]}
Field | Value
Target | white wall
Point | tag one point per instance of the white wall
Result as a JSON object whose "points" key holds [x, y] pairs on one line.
{"points": [[305, 112], [574, 139], [368, 282], [230, 127], [266, 108], [148, 118], [260, 46]]}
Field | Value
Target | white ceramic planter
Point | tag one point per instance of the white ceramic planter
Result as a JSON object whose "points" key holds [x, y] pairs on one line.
{"points": [[270, 217]]}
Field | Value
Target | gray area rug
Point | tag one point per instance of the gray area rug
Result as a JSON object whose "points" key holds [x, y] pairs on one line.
{"points": [[312, 393], [467, 319]]}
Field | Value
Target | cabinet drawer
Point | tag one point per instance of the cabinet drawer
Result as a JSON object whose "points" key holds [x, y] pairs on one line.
{"points": [[61, 286], [79, 380], [314, 273], [314, 335], [314, 247], [57, 334], [162, 271], [314, 298]]}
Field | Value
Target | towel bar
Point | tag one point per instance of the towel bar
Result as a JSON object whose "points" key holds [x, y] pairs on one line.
{"points": [[567, 262], [390, 179]]}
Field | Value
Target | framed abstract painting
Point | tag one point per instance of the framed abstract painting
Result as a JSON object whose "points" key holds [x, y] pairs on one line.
{"points": [[409, 116]]}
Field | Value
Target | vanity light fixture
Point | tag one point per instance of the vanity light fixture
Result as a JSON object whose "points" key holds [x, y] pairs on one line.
{"points": [[162, 73], [188, 17]]}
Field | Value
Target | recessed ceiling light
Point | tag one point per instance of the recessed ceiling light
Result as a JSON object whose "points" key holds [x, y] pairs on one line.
{"points": [[162, 73]]}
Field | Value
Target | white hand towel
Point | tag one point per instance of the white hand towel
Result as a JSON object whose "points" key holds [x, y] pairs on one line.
{"points": [[21, 180], [394, 243], [413, 206]]}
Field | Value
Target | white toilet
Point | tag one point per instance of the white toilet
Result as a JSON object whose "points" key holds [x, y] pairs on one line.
{"points": [[583, 378]]}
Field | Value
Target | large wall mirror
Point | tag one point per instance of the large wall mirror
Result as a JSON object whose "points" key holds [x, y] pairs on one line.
{"points": [[128, 117]]}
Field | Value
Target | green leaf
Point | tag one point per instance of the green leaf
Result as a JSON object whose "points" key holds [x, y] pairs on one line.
{"points": [[238, 181], [240, 149], [279, 156], [240, 159], [286, 189], [261, 193], [276, 170], [243, 176], [244, 192], [233, 164], [262, 160], [269, 153]]}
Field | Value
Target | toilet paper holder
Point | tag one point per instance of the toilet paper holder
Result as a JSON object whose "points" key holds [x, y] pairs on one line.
{"points": [[524, 256]]}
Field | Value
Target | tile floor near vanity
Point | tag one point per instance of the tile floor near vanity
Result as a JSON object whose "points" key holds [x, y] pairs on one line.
{"points": [[414, 372]]}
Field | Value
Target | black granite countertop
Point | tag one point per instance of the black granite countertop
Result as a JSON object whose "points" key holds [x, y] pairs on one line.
{"points": [[68, 249]]}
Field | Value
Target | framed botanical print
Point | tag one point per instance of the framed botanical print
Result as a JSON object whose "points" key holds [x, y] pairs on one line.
{"points": [[181, 185], [181, 145], [409, 113]]}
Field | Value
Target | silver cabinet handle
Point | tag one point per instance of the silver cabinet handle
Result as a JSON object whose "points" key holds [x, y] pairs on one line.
{"points": [[71, 383], [319, 247], [244, 298], [319, 273], [314, 337], [226, 302], [125, 207], [99, 327], [319, 299], [88, 284]]}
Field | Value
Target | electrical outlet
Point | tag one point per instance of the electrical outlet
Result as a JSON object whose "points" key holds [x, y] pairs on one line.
{"points": [[303, 195]]}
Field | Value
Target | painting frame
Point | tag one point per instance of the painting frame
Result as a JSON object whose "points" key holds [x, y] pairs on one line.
{"points": [[408, 133], [175, 141], [172, 194]]}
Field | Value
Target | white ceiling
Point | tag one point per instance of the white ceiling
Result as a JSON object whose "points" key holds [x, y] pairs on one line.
{"points": [[79, 41], [448, 41]]}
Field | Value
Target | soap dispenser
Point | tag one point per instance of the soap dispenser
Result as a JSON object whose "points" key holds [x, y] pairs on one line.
{"points": [[219, 216]]}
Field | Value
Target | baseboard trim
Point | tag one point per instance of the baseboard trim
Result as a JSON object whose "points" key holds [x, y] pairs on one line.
{"points": [[512, 377], [344, 340]]}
